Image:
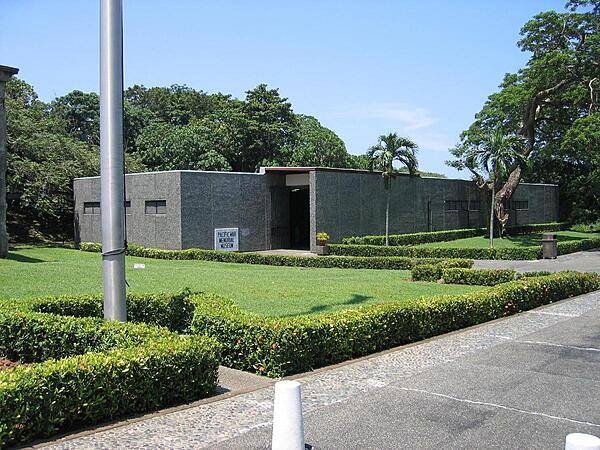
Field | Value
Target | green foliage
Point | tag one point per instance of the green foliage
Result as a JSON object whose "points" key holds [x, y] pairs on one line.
{"points": [[508, 253], [314, 146], [450, 235], [426, 272], [592, 227], [479, 277], [173, 311], [283, 346], [547, 103], [436, 252], [415, 238], [47, 148], [163, 146], [83, 371], [538, 273], [360, 262], [42, 399]]}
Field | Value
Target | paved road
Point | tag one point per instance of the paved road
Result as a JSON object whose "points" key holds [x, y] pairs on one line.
{"points": [[521, 382], [588, 261]]}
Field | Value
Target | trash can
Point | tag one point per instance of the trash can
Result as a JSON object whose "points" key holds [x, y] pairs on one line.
{"points": [[549, 247]]}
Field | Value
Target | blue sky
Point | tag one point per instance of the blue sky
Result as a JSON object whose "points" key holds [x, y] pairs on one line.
{"points": [[363, 68]]}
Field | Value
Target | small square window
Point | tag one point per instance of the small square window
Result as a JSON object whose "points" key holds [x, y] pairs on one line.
{"points": [[520, 205], [91, 207], [127, 207], [156, 207]]}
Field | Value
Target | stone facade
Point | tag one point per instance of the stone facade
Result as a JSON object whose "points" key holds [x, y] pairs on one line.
{"points": [[181, 209]]}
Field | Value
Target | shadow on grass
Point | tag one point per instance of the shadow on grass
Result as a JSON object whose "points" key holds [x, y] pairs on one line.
{"points": [[355, 299], [22, 258]]}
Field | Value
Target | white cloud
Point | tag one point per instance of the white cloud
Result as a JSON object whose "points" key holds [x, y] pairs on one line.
{"points": [[438, 142], [399, 115]]}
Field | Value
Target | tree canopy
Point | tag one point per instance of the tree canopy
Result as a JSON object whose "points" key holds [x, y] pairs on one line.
{"points": [[541, 103], [165, 128]]}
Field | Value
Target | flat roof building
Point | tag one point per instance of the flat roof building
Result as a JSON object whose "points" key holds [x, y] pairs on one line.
{"points": [[284, 207]]}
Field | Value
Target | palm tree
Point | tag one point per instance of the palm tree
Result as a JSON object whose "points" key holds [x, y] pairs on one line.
{"points": [[497, 155], [392, 148]]}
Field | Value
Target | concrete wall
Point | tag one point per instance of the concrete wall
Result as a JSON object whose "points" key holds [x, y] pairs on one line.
{"points": [[158, 231], [212, 200], [353, 204], [342, 203]]}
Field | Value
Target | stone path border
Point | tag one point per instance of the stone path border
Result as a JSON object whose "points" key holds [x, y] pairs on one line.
{"points": [[210, 423]]}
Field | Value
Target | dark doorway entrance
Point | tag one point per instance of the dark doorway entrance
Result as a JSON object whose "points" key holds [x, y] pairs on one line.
{"points": [[299, 218]]}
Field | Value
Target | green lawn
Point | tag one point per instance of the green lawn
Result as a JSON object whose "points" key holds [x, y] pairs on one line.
{"points": [[525, 240], [275, 291]]}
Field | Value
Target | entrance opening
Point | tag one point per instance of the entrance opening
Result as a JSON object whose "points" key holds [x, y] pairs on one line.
{"points": [[299, 218]]}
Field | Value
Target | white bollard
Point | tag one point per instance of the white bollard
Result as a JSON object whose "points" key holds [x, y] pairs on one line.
{"points": [[580, 441], [288, 426]]}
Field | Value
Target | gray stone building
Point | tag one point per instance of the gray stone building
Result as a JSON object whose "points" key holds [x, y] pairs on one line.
{"points": [[284, 207]]}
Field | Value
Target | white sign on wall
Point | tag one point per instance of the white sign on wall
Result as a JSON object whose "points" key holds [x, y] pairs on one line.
{"points": [[227, 239]]}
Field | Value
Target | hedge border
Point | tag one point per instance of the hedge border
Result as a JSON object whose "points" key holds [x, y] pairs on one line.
{"points": [[518, 253], [391, 262], [426, 237], [281, 346], [284, 346], [84, 371]]}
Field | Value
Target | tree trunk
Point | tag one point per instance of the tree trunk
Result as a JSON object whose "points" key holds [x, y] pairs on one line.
{"points": [[492, 216], [3, 163], [387, 219]]}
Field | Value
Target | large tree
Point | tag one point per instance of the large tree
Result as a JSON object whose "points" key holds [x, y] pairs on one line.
{"points": [[315, 145], [392, 149], [557, 86]]}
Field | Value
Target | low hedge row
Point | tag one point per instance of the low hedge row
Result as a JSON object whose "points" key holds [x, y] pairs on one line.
{"points": [[479, 277], [394, 262], [84, 371], [519, 253], [415, 238], [173, 311], [283, 346], [449, 235], [564, 248]]}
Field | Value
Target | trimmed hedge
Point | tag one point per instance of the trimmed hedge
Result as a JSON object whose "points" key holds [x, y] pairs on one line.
{"points": [[426, 272], [173, 311], [283, 346], [415, 238], [395, 262], [479, 277], [87, 371], [450, 235], [518, 253]]}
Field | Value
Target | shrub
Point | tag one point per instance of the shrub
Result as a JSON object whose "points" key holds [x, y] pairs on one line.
{"points": [[564, 248], [593, 227], [480, 277], [538, 228], [538, 273], [437, 252], [173, 311], [87, 371], [426, 272], [450, 235], [281, 346], [396, 262], [415, 238]]}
